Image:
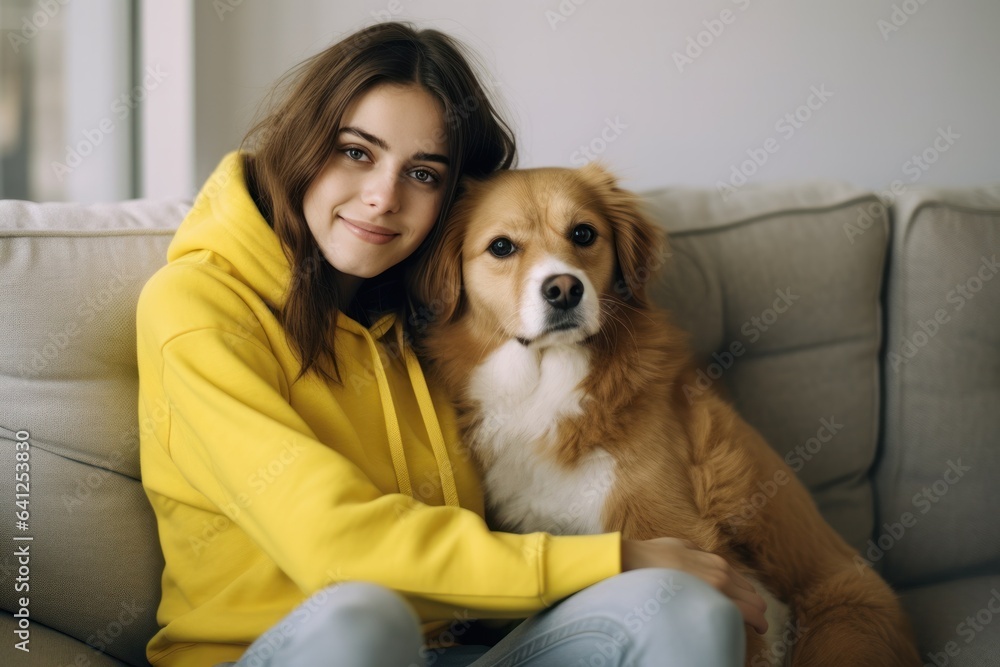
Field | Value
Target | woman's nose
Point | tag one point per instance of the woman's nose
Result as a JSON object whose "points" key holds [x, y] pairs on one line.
{"points": [[380, 190]]}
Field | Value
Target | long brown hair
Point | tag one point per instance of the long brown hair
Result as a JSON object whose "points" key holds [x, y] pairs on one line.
{"points": [[293, 143]]}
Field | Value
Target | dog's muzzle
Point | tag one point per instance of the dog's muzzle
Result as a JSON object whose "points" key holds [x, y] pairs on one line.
{"points": [[562, 294], [560, 305]]}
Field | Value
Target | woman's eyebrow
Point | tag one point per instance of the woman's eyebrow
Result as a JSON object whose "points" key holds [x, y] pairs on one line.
{"points": [[381, 143]]}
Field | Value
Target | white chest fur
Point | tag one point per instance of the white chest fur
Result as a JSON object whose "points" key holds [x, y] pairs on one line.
{"points": [[523, 393]]}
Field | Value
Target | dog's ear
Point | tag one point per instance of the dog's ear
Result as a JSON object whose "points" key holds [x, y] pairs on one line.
{"points": [[641, 245], [436, 278]]}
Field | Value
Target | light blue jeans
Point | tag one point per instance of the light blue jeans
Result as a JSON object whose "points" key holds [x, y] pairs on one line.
{"points": [[640, 618]]}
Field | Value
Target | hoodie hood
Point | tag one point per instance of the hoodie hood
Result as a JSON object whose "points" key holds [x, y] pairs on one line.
{"points": [[224, 220]]}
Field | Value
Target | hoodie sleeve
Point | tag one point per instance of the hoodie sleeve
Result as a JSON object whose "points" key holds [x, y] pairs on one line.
{"points": [[234, 437]]}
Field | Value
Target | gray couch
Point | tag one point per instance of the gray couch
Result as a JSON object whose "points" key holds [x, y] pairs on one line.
{"points": [[863, 342]]}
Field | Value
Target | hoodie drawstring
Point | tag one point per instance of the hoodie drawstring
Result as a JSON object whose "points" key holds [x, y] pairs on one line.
{"points": [[427, 412], [391, 422], [430, 421]]}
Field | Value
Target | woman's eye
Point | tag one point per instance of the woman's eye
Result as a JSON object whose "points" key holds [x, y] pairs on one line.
{"points": [[424, 176], [501, 247], [354, 153], [584, 235]]}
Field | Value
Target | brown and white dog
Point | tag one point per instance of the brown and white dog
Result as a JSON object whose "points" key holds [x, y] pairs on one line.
{"points": [[569, 384]]}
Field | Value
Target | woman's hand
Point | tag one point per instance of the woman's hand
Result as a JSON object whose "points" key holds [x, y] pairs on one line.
{"points": [[684, 555]]}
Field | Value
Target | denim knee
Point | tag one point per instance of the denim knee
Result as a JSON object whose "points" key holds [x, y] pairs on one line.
{"points": [[376, 623], [356, 624], [668, 610]]}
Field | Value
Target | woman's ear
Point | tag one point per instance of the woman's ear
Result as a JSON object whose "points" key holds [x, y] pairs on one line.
{"points": [[640, 245]]}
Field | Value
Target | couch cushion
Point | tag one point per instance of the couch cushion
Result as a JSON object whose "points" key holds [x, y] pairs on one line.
{"points": [[50, 647], [957, 622], [938, 477], [779, 287], [70, 276]]}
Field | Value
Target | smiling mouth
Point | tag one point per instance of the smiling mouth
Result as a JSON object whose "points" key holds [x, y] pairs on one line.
{"points": [[367, 234]]}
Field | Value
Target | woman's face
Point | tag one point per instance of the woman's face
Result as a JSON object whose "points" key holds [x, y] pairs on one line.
{"points": [[379, 195]]}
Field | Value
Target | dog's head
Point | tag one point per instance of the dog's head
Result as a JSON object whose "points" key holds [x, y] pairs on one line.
{"points": [[540, 255]]}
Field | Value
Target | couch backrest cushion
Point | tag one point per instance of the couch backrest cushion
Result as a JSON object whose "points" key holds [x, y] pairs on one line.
{"points": [[779, 287], [70, 276], [938, 477]]}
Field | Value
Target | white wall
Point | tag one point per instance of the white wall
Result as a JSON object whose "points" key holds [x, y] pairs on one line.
{"points": [[609, 69], [165, 76], [96, 162]]}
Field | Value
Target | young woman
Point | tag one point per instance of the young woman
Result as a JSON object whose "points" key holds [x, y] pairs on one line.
{"points": [[313, 502]]}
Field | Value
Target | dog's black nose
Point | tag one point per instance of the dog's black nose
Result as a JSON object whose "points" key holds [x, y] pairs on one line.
{"points": [[562, 291]]}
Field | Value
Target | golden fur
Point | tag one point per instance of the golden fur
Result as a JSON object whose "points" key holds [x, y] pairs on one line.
{"points": [[685, 466]]}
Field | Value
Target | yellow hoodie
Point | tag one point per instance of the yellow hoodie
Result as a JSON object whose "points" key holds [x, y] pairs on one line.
{"points": [[265, 492]]}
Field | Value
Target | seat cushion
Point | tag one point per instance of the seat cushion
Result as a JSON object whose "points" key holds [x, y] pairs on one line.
{"points": [[937, 480], [957, 622], [70, 276], [51, 647], [779, 288]]}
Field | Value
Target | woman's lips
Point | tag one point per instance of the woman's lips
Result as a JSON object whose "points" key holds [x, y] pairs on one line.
{"points": [[371, 233]]}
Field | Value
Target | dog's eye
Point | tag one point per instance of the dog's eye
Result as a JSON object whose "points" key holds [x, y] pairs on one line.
{"points": [[584, 235], [502, 247]]}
